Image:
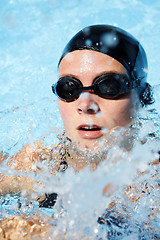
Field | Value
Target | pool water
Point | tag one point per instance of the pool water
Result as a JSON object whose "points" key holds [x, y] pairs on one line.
{"points": [[32, 36]]}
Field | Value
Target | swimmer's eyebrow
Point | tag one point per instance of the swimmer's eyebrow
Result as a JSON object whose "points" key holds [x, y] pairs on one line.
{"points": [[99, 74], [68, 75], [110, 72]]}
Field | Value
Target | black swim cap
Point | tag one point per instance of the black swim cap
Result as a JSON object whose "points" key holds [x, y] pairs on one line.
{"points": [[118, 44]]}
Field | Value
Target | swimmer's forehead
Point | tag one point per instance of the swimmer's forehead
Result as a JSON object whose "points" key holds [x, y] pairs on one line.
{"points": [[89, 60]]}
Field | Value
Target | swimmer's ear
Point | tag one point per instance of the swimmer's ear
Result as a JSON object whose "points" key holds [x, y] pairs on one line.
{"points": [[146, 96]]}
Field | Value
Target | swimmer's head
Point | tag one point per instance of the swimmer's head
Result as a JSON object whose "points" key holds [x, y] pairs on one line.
{"points": [[119, 45], [102, 76]]}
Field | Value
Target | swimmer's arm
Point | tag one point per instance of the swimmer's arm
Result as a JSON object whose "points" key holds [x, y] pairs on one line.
{"points": [[28, 156], [26, 227], [13, 184], [23, 161]]}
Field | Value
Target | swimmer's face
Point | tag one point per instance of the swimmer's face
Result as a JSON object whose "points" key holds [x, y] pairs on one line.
{"points": [[88, 119]]}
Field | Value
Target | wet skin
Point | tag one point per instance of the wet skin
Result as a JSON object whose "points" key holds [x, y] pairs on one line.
{"points": [[88, 119]]}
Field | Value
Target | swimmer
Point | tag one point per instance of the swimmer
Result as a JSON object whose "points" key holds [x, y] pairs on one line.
{"points": [[102, 84]]}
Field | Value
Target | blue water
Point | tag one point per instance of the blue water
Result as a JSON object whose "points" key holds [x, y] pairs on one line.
{"points": [[32, 36]]}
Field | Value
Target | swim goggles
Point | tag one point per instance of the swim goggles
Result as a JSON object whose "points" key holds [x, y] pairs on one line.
{"points": [[108, 86]]}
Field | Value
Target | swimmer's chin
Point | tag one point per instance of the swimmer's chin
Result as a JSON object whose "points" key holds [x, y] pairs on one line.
{"points": [[94, 146]]}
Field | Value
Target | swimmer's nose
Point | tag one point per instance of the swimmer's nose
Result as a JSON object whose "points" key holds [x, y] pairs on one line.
{"points": [[87, 104]]}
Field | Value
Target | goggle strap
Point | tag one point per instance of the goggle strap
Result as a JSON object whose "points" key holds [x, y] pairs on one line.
{"points": [[53, 88]]}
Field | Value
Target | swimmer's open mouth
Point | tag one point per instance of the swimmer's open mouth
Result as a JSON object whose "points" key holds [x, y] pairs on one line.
{"points": [[89, 131], [89, 128]]}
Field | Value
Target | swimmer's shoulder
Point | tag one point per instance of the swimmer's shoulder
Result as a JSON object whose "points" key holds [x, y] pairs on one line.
{"points": [[25, 159]]}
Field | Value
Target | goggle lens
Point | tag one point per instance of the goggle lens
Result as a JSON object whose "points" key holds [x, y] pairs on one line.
{"points": [[67, 88], [107, 88]]}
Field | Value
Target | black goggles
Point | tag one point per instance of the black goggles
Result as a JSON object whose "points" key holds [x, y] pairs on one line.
{"points": [[108, 86]]}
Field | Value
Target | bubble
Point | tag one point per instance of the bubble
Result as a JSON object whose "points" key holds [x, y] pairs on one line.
{"points": [[96, 230], [110, 61], [84, 95], [99, 114], [88, 42], [23, 193], [110, 39], [89, 123], [87, 31], [104, 49], [71, 223], [104, 130], [34, 168], [43, 69], [69, 57], [94, 106], [34, 195], [145, 70]]}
